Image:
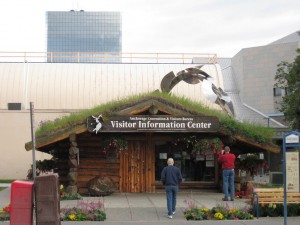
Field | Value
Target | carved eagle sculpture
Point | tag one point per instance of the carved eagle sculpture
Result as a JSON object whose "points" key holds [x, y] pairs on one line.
{"points": [[193, 76]]}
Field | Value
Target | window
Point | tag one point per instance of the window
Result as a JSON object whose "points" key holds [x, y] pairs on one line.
{"points": [[287, 92], [276, 91]]}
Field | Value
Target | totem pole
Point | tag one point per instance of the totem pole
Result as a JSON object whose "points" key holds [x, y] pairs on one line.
{"points": [[73, 164]]}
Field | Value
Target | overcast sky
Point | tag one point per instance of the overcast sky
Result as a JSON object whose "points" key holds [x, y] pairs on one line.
{"points": [[223, 27]]}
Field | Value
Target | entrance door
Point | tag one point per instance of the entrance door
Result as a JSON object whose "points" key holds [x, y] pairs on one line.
{"points": [[193, 167], [137, 168]]}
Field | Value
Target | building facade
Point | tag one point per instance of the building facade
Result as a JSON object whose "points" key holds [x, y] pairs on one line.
{"points": [[255, 70], [65, 88], [249, 79], [130, 144], [80, 36], [59, 89]]}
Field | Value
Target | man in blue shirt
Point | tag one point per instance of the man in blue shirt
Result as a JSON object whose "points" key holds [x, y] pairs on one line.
{"points": [[171, 177]]}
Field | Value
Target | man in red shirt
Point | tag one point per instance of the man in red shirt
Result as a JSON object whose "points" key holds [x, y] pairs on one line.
{"points": [[227, 160]]}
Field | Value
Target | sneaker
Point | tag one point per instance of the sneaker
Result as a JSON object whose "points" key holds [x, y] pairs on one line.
{"points": [[170, 216], [224, 199], [173, 213]]}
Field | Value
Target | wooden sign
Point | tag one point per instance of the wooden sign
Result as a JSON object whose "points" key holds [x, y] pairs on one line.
{"points": [[145, 123]]}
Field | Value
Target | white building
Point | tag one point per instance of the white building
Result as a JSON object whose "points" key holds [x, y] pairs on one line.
{"points": [[58, 89]]}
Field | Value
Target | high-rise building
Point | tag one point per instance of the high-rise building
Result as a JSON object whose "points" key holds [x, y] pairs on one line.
{"points": [[80, 36]]}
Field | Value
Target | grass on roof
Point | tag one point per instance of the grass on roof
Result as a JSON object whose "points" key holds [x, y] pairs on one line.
{"points": [[252, 132]]}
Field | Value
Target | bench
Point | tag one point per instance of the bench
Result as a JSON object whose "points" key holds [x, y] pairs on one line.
{"points": [[273, 195]]}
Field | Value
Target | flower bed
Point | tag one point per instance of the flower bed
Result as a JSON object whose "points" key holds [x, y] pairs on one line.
{"points": [[274, 210], [5, 213], [84, 211], [216, 213]]}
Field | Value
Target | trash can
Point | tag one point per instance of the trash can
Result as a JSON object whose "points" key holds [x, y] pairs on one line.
{"points": [[47, 200], [21, 202]]}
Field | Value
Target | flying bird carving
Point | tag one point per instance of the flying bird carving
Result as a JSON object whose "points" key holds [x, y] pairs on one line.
{"points": [[195, 75]]}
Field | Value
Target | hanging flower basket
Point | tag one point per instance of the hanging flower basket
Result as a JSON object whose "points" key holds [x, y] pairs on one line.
{"points": [[251, 164], [186, 143], [115, 143], [208, 146]]}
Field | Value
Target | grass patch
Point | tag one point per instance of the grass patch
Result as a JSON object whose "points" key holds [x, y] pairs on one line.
{"points": [[6, 181]]}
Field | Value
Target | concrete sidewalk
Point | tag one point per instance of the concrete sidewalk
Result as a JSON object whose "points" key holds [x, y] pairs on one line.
{"points": [[150, 208], [4, 197]]}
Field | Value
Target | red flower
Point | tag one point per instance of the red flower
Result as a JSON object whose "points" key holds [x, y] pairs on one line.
{"points": [[7, 208]]}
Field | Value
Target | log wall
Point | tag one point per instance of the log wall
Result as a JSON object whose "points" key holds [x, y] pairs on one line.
{"points": [[131, 170], [95, 161]]}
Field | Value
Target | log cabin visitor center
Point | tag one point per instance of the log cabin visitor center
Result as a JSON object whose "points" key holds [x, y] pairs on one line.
{"points": [[127, 140]]}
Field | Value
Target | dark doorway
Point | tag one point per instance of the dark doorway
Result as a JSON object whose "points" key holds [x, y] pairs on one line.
{"points": [[193, 167]]}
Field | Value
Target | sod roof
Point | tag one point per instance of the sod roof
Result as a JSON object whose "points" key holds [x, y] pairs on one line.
{"points": [[246, 135]]}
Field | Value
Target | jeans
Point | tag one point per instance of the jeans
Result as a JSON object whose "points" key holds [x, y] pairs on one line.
{"points": [[228, 176], [171, 192]]}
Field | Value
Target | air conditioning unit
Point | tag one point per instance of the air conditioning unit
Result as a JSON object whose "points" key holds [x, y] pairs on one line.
{"points": [[276, 178]]}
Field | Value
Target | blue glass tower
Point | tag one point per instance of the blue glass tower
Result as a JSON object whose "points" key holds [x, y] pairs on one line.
{"points": [[79, 36]]}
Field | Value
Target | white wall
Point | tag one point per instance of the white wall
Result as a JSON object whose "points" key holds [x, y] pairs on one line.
{"points": [[15, 131], [57, 89]]}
